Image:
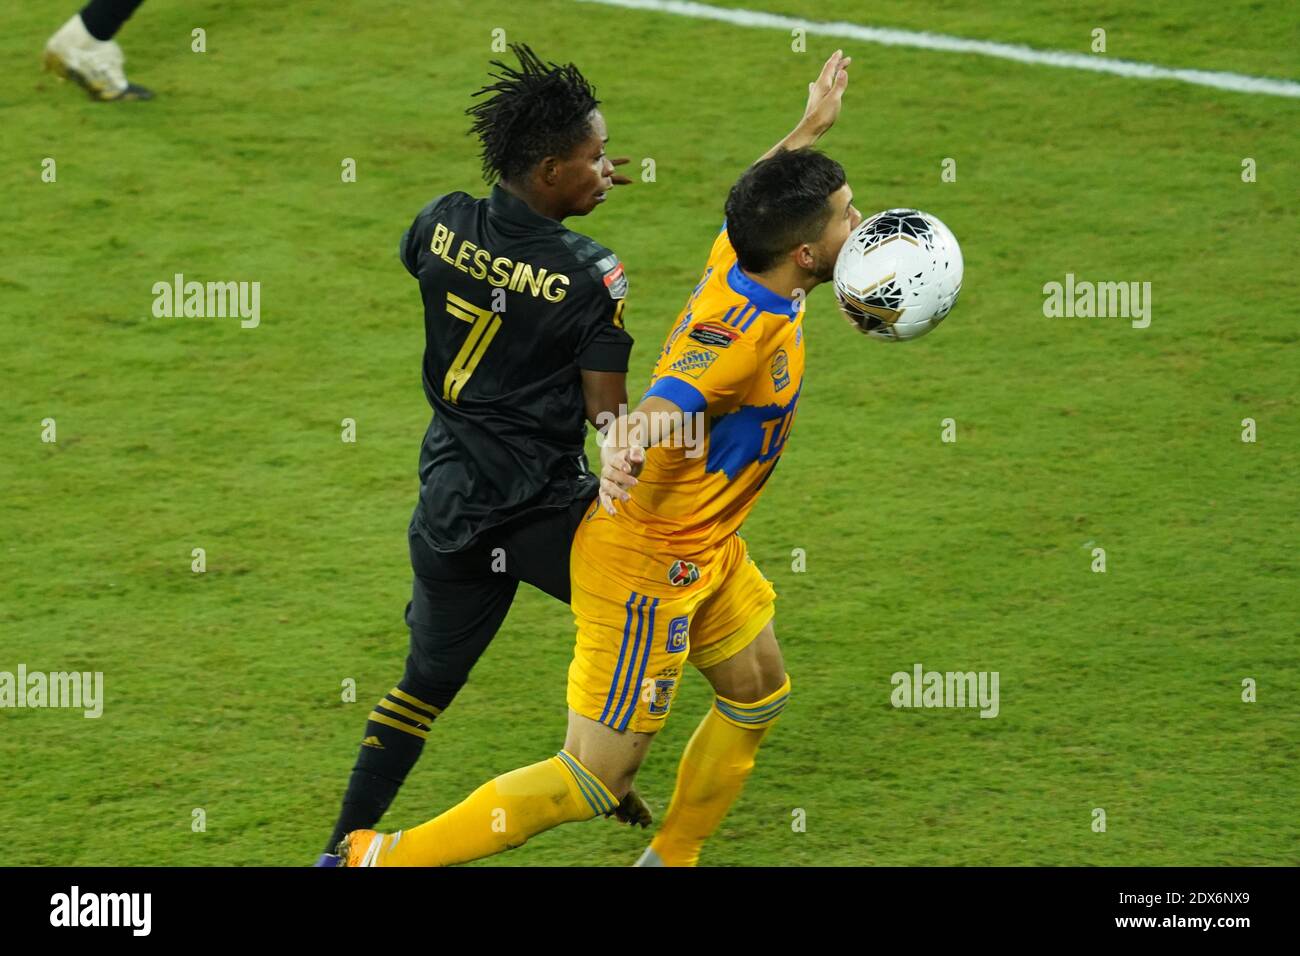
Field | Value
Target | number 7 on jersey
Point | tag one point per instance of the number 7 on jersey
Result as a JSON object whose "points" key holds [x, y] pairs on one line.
{"points": [[484, 326]]}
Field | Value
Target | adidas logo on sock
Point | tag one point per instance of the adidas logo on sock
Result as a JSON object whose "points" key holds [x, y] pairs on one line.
{"points": [[373, 741]]}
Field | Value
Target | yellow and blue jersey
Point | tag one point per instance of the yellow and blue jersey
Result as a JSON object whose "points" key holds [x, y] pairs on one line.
{"points": [[736, 356]]}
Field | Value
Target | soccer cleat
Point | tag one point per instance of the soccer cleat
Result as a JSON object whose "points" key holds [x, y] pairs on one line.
{"points": [[366, 847], [649, 858], [95, 65]]}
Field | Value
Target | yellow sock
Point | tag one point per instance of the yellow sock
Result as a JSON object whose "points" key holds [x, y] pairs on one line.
{"points": [[712, 773], [503, 813]]}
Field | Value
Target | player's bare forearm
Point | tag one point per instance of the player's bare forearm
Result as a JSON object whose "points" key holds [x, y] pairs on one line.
{"points": [[656, 421], [799, 137], [825, 95], [604, 394]]}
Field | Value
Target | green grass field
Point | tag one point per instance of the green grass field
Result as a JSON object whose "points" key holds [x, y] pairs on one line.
{"points": [[1120, 691]]}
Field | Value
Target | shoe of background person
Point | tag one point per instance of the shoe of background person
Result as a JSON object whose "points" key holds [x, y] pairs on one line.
{"points": [[95, 65]]}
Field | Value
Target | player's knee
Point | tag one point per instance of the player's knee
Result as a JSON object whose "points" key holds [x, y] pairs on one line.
{"points": [[615, 768], [614, 774], [428, 681], [622, 785], [755, 671], [756, 714], [612, 756]]}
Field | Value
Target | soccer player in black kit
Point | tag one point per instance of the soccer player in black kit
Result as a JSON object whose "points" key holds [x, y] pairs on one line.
{"points": [[524, 340]]}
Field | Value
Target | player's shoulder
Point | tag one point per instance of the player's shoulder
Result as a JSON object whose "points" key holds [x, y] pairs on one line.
{"points": [[721, 315], [597, 264], [445, 202]]}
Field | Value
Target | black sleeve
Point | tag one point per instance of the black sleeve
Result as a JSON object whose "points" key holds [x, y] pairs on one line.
{"points": [[408, 248], [603, 343]]}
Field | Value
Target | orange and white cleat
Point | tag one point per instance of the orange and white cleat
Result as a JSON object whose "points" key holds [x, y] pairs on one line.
{"points": [[366, 847]]}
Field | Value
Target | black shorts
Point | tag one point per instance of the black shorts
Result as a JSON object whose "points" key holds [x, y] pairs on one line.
{"points": [[459, 600]]}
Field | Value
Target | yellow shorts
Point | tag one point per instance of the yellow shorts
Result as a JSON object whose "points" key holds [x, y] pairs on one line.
{"points": [[632, 646]]}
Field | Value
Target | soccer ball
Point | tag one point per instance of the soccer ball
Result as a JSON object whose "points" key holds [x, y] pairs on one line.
{"points": [[898, 274]]}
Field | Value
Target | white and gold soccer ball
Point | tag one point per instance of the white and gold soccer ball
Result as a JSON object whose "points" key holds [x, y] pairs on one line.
{"points": [[899, 274]]}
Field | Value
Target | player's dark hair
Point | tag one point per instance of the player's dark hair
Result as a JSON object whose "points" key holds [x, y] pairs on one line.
{"points": [[779, 203], [534, 111]]}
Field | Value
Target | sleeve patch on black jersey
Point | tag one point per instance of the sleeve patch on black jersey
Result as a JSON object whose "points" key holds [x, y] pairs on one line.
{"points": [[714, 335], [616, 282]]}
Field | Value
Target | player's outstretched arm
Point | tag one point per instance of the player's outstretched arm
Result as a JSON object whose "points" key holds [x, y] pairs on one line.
{"points": [[825, 96], [603, 394], [623, 442]]}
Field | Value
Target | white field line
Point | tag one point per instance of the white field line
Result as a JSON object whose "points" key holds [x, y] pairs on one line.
{"points": [[1097, 63]]}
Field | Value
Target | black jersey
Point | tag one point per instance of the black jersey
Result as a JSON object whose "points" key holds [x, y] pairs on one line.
{"points": [[515, 305]]}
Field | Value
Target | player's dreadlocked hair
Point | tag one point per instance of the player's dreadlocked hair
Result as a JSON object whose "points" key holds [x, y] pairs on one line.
{"points": [[537, 110]]}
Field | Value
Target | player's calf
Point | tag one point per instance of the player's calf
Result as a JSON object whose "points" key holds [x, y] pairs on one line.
{"points": [[500, 815], [716, 763]]}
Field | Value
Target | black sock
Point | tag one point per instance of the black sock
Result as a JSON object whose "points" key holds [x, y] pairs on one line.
{"points": [[103, 18], [387, 755]]}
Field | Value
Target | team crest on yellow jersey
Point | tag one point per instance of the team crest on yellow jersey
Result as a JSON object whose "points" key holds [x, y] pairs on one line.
{"points": [[683, 574], [663, 696]]}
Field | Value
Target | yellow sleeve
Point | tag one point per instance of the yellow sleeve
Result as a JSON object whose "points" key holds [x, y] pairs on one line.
{"points": [[705, 370]]}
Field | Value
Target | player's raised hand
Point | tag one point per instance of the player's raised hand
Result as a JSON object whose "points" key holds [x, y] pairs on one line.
{"points": [[826, 93], [618, 179]]}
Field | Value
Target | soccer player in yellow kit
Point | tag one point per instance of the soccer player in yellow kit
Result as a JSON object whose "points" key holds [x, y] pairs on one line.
{"points": [[660, 576]]}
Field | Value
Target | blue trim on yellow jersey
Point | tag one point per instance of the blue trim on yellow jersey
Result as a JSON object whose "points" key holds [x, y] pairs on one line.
{"points": [[764, 298], [750, 321], [681, 393], [741, 437]]}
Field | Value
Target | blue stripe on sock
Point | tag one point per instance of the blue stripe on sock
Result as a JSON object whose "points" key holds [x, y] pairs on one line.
{"points": [[760, 715], [592, 797], [602, 801]]}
